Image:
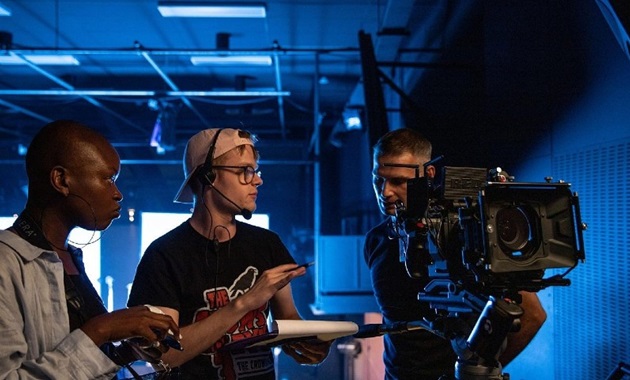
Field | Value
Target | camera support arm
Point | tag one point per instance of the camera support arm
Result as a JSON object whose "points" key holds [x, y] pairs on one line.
{"points": [[487, 341], [477, 343], [498, 318]]}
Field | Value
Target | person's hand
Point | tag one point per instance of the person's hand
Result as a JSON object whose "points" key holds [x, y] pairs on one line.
{"points": [[269, 283], [137, 321], [308, 352]]}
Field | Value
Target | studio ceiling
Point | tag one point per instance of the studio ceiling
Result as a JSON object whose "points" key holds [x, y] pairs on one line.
{"points": [[133, 63], [135, 66]]}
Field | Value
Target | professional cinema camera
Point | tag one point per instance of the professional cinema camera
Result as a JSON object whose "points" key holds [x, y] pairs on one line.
{"points": [[480, 238]]}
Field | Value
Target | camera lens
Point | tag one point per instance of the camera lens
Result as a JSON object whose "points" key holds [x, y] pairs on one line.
{"points": [[514, 230]]}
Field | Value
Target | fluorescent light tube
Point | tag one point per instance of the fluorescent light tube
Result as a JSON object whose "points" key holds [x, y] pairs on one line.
{"points": [[232, 60], [4, 10], [67, 60], [179, 9]]}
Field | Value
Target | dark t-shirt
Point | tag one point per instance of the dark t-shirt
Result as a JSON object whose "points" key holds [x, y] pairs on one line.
{"points": [[83, 301], [184, 270], [414, 355]]}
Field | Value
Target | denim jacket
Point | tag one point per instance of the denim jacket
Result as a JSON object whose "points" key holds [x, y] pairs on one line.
{"points": [[35, 341]]}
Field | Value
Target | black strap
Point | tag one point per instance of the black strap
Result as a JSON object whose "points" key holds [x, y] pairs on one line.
{"points": [[26, 227]]}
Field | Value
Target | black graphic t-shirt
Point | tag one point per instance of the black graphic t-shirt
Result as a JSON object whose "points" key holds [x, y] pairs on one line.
{"points": [[185, 271]]}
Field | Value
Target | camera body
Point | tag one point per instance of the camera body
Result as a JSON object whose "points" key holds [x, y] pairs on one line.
{"points": [[476, 238], [474, 233]]}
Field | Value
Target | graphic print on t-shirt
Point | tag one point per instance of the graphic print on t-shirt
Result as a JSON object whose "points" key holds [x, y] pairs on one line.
{"points": [[254, 323]]}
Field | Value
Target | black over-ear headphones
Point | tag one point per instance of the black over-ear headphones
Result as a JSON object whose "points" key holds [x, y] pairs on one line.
{"points": [[206, 174]]}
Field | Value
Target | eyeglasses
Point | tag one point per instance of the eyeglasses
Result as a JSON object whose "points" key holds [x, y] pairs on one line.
{"points": [[248, 171]]}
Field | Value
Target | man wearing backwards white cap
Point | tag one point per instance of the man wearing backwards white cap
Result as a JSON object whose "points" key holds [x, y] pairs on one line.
{"points": [[217, 277]]}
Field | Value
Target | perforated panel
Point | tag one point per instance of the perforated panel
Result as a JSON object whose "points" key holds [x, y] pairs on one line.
{"points": [[592, 316]]}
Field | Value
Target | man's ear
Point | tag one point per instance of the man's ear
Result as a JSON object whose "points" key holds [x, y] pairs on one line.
{"points": [[430, 171], [59, 180]]}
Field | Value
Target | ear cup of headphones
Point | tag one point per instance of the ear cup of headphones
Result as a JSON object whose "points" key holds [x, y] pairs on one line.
{"points": [[211, 176], [206, 174]]}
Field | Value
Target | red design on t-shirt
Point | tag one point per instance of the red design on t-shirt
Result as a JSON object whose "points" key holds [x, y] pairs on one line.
{"points": [[253, 323]]}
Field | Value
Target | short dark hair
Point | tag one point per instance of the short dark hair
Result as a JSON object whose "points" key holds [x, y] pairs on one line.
{"points": [[400, 141], [53, 145]]}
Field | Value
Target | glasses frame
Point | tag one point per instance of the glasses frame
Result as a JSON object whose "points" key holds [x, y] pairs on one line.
{"points": [[245, 168]]}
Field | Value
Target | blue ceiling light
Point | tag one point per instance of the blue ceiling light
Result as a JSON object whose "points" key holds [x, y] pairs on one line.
{"points": [[22, 149], [4, 10], [211, 9], [352, 119], [232, 60], [55, 59], [163, 134]]}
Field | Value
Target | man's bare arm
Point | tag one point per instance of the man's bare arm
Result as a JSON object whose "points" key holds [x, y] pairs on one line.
{"points": [[531, 321]]}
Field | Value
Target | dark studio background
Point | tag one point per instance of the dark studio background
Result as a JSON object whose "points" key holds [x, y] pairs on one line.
{"points": [[539, 88]]}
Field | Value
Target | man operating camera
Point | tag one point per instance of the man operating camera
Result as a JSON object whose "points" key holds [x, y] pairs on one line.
{"points": [[418, 354]]}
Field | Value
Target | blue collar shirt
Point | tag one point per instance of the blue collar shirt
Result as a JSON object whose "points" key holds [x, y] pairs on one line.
{"points": [[35, 341]]}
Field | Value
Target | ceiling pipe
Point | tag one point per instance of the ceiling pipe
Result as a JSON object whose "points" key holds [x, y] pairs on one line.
{"points": [[317, 118], [133, 161], [317, 186], [174, 87], [25, 111], [67, 86], [179, 162], [148, 93], [276, 62], [168, 52]]}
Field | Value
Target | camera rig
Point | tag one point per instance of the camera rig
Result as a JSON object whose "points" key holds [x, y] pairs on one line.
{"points": [[480, 238]]}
